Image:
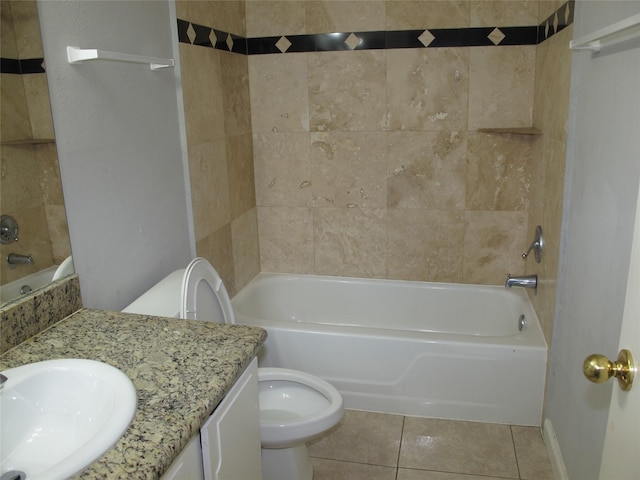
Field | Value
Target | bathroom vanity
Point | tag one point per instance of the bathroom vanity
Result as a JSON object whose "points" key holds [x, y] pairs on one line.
{"points": [[187, 375]]}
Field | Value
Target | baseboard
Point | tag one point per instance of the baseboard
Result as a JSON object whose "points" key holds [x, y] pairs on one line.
{"points": [[553, 448]]}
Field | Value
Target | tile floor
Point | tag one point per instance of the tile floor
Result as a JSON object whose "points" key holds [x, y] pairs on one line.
{"points": [[379, 446]]}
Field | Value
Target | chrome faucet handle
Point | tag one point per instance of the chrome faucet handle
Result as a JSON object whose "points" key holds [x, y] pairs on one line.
{"points": [[537, 246]]}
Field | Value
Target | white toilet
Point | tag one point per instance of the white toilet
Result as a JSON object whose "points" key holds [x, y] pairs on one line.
{"points": [[294, 406]]}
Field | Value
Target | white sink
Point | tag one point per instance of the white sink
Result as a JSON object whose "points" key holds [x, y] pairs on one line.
{"points": [[59, 416]]}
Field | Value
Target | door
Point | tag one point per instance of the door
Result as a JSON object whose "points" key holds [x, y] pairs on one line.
{"points": [[621, 458]]}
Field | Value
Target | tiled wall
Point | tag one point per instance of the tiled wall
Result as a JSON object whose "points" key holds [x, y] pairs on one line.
{"points": [[218, 120], [551, 105], [368, 162], [367, 157], [30, 183]]}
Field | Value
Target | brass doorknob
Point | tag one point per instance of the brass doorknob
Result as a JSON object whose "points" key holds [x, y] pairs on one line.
{"points": [[599, 369]]}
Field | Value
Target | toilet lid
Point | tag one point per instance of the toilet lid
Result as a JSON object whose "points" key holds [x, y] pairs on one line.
{"points": [[203, 294]]}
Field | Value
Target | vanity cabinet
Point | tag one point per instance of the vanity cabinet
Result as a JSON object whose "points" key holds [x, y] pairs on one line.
{"points": [[188, 465], [231, 436], [228, 447]]}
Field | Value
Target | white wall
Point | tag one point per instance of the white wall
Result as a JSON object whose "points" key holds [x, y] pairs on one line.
{"points": [[121, 153], [603, 172]]}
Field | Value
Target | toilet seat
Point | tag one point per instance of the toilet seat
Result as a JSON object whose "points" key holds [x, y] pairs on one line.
{"points": [[277, 430], [200, 280]]}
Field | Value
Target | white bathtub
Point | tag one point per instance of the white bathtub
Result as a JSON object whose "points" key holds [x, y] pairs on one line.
{"points": [[412, 348], [34, 281]]}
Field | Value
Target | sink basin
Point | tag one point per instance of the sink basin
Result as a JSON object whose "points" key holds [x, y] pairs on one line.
{"points": [[59, 416]]}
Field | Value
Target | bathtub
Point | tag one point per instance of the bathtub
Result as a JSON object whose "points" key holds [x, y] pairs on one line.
{"points": [[34, 281], [412, 348]]}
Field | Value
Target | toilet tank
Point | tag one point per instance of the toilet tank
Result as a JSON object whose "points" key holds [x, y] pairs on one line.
{"points": [[161, 300]]}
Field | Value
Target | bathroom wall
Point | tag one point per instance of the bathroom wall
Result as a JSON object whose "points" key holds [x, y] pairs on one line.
{"points": [[30, 188], [550, 116], [118, 132], [215, 87], [369, 163], [603, 174]]}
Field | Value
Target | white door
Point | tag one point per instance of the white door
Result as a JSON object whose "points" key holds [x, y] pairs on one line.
{"points": [[621, 455]]}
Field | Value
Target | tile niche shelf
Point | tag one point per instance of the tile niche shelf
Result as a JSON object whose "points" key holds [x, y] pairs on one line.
{"points": [[512, 130], [29, 141]]}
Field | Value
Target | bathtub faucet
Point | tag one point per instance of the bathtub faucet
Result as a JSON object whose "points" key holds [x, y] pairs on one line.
{"points": [[526, 281], [14, 259]]}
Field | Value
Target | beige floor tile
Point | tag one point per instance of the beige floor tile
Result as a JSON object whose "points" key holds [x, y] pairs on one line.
{"points": [[458, 447], [324, 469], [363, 437], [408, 474], [533, 459]]}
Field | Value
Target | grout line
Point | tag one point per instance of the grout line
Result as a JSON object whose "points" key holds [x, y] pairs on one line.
{"points": [[404, 418], [515, 451]]}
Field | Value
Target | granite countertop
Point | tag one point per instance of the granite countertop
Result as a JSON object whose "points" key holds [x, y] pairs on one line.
{"points": [[181, 370]]}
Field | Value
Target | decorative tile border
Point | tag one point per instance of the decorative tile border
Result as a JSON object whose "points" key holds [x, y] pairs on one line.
{"points": [[22, 67], [195, 34]]}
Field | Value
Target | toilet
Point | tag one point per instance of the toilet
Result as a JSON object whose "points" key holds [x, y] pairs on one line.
{"points": [[295, 406]]}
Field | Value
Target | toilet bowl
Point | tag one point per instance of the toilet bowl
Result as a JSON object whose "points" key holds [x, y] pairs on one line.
{"points": [[294, 406]]}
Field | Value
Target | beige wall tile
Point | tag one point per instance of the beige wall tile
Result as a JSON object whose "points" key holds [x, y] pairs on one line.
{"points": [[347, 90], [279, 92], [282, 169], [493, 245], [499, 96], [407, 15], [497, 175], [553, 71], [426, 170], [209, 187], [225, 15], [286, 239], [202, 93], [425, 245], [20, 178], [229, 16], [27, 28], [14, 114], [8, 46], [536, 193], [422, 93], [38, 104], [504, 13], [34, 240], [235, 93], [246, 252], [348, 169], [350, 242], [217, 248], [546, 8], [242, 191], [274, 18], [197, 11], [49, 173], [58, 232], [341, 16]]}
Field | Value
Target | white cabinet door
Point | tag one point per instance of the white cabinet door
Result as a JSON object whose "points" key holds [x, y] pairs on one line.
{"points": [[231, 437], [188, 465]]}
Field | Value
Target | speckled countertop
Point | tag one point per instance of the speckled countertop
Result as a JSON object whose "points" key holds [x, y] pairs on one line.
{"points": [[181, 370]]}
